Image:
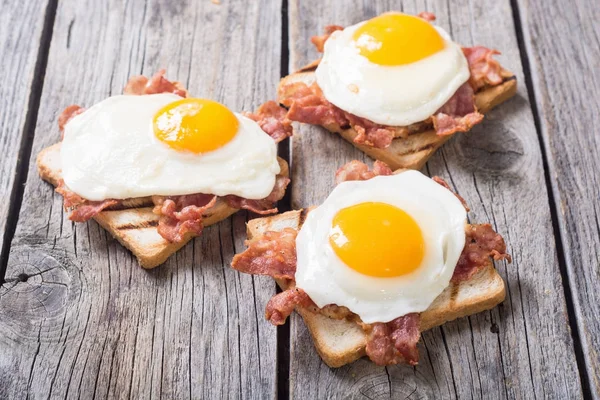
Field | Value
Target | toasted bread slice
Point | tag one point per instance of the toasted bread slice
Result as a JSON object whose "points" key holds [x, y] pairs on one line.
{"points": [[133, 223], [340, 342], [414, 151]]}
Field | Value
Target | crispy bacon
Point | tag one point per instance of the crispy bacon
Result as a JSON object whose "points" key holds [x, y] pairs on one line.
{"points": [[272, 118], [370, 133], [442, 182], [140, 85], [81, 209], [394, 342], [427, 16], [181, 215], [482, 242], [282, 304], [485, 70], [262, 206], [459, 114], [358, 171], [307, 104], [67, 114], [319, 41], [273, 254]]}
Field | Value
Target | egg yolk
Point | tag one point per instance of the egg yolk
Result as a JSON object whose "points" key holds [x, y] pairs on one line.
{"points": [[377, 239], [397, 39], [195, 125]]}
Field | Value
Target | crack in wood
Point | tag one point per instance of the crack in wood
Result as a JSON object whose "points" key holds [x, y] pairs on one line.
{"points": [[22, 166], [562, 261]]}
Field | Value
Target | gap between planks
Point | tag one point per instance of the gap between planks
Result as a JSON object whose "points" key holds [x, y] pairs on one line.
{"points": [[24, 151], [562, 263], [283, 331]]}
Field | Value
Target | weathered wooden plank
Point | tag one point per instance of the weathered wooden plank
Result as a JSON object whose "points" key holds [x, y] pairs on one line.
{"points": [[21, 28], [88, 322], [522, 349], [562, 41]]}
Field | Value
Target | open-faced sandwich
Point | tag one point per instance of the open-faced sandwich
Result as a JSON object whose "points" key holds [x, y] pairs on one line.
{"points": [[154, 166], [385, 257], [396, 86]]}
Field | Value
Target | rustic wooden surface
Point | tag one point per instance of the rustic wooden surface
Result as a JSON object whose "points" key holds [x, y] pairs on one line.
{"points": [[564, 60], [498, 169], [21, 27], [78, 318], [88, 322]]}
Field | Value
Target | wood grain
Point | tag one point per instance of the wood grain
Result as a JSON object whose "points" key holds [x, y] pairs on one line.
{"points": [[522, 349], [21, 27], [83, 320], [564, 57]]}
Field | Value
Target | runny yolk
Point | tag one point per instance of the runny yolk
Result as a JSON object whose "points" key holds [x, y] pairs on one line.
{"points": [[397, 39], [195, 125], [377, 239]]}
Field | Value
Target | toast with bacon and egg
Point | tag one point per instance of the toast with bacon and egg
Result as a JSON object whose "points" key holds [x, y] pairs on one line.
{"points": [[402, 138], [162, 211], [284, 247]]}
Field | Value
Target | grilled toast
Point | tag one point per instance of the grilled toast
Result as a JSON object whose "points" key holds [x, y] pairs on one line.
{"points": [[340, 342], [411, 152], [133, 223]]}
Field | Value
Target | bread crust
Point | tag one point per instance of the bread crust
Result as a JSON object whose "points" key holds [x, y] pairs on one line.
{"points": [[340, 342], [413, 151], [134, 224]]}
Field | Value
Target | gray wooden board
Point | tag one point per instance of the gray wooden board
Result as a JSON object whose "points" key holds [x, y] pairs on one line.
{"points": [[563, 46], [20, 39], [89, 322], [522, 349]]}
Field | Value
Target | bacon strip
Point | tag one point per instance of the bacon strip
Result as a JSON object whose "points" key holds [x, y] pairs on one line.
{"points": [[82, 209], [272, 118], [370, 133], [319, 41], [181, 215], [307, 104], [273, 254], [140, 85], [427, 16], [485, 70], [262, 206], [395, 342], [282, 304], [68, 113], [481, 243], [459, 114], [358, 171]]}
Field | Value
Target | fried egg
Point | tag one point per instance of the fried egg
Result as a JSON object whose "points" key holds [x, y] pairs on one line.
{"points": [[395, 69], [384, 248], [162, 144]]}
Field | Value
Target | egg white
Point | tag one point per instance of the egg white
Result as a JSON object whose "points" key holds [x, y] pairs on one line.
{"points": [[328, 280], [110, 151], [389, 95]]}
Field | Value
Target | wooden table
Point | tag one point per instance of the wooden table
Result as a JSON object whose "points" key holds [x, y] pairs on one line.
{"points": [[79, 318]]}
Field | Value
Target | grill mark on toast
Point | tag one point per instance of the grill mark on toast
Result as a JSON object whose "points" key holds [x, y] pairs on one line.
{"points": [[453, 293], [302, 217], [139, 203], [420, 149], [139, 225]]}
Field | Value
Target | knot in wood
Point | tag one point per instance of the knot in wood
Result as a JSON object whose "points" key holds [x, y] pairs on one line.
{"points": [[41, 285]]}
